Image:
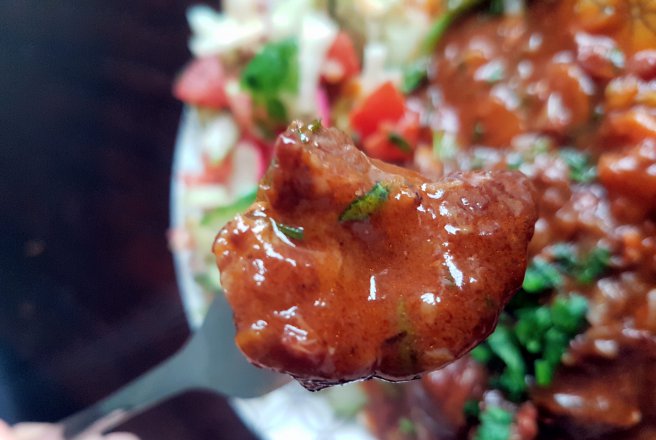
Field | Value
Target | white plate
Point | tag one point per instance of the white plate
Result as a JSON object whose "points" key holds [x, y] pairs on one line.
{"points": [[290, 412]]}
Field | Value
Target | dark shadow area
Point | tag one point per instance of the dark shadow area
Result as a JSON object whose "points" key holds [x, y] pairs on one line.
{"points": [[88, 296]]}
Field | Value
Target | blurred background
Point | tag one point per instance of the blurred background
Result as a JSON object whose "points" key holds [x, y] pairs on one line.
{"points": [[88, 296]]}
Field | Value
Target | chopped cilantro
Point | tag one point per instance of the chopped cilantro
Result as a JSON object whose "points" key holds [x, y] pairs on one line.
{"points": [[290, 231], [555, 344], [496, 424], [414, 75], [471, 408], [443, 22], [482, 353], [568, 313], [314, 126], [445, 145], [270, 73], [276, 109], [531, 325], [220, 215], [593, 265], [544, 372], [363, 207], [580, 168], [585, 270], [565, 257], [531, 335], [541, 275], [406, 426], [503, 344], [399, 142]]}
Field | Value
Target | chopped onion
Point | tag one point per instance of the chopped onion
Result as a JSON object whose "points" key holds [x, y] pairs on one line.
{"points": [[215, 33], [219, 136], [248, 166], [318, 32]]}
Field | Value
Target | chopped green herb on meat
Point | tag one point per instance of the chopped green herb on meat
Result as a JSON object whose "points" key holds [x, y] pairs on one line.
{"points": [[290, 231], [580, 168], [585, 269], [439, 27], [414, 75], [541, 275], [363, 207], [593, 266], [513, 377], [496, 424], [221, 214], [407, 426], [536, 336], [472, 408]]}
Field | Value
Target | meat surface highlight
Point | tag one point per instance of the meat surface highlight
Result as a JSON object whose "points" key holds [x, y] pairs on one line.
{"points": [[347, 267]]}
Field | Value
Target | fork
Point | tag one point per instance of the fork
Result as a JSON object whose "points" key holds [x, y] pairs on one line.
{"points": [[209, 360]]}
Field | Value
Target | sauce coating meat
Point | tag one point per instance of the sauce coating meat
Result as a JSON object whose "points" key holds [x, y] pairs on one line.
{"points": [[348, 267]]}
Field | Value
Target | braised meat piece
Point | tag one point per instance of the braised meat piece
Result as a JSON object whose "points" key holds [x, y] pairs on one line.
{"points": [[348, 268]]}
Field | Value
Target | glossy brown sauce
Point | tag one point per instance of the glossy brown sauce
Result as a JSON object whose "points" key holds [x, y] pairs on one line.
{"points": [[406, 289]]}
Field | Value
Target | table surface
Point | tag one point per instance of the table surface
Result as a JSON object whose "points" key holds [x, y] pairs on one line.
{"points": [[88, 297]]}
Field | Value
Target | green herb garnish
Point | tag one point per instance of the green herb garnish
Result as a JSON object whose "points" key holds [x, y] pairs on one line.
{"points": [[580, 168], [443, 22], [406, 426], [584, 269], [414, 75], [568, 313], [290, 231], [363, 207], [496, 424], [270, 73], [541, 275], [314, 126], [593, 265], [471, 409], [220, 215], [399, 142], [504, 345]]}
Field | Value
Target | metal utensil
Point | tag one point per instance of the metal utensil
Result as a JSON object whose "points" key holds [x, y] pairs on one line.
{"points": [[209, 360]]}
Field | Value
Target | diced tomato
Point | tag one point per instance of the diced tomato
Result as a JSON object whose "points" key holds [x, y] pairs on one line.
{"points": [[342, 61], [394, 142], [202, 83], [385, 104]]}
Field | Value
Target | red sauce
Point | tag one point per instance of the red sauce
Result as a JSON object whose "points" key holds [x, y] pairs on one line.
{"points": [[407, 288]]}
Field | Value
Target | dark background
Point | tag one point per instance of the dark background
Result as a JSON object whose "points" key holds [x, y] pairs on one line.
{"points": [[88, 297]]}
